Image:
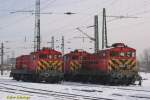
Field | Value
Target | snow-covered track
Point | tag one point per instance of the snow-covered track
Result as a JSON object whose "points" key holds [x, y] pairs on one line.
{"points": [[134, 96], [43, 92], [15, 91], [108, 87]]}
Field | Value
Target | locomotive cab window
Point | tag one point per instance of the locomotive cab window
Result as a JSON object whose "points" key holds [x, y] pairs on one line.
{"points": [[129, 54], [42, 56], [133, 54], [59, 56], [50, 56], [55, 56], [114, 54], [122, 54]]}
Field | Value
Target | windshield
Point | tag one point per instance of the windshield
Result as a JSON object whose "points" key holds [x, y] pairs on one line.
{"points": [[122, 54], [42, 56]]}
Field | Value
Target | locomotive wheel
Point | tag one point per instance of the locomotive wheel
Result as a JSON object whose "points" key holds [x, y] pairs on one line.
{"points": [[16, 77]]}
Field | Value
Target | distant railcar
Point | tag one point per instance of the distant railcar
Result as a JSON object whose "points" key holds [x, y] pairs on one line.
{"points": [[44, 65]]}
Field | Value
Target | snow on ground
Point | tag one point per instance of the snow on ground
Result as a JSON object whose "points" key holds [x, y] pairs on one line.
{"points": [[18, 90]]}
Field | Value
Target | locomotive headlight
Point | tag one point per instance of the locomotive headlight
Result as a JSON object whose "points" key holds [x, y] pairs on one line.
{"points": [[123, 66], [46, 74]]}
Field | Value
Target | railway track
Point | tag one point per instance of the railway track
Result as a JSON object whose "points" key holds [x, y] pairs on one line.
{"points": [[65, 96], [13, 91], [48, 93], [135, 96], [108, 87], [128, 90]]}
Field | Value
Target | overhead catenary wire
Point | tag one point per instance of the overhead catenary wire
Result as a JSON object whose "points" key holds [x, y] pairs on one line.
{"points": [[67, 28]]}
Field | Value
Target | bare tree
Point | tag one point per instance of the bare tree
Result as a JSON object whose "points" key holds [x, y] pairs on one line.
{"points": [[144, 61]]}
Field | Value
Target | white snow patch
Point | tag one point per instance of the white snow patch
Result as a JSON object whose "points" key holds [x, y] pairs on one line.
{"points": [[36, 91]]}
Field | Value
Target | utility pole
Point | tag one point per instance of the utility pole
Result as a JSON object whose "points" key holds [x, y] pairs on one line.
{"points": [[2, 57], [104, 31], [37, 40], [96, 36], [52, 43], [104, 27], [63, 45]]}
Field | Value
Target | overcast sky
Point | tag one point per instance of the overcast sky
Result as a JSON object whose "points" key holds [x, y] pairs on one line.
{"points": [[18, 28]]}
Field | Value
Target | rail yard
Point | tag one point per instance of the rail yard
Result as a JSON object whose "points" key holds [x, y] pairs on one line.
{"points": [[72, 90], [74, 50]]}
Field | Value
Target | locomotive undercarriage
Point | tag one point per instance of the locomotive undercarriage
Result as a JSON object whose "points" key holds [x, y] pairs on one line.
{"points": [[94, 77], [43, 76], [113, 78], [51, 76], [130, 77]]}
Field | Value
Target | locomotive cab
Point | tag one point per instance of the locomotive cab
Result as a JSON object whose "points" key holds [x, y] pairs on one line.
{"points": [[49, 54], [122, 63], [122, 57], [74, 60]]}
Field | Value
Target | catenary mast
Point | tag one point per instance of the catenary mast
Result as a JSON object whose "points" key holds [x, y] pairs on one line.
{"points": [[37, 38]]}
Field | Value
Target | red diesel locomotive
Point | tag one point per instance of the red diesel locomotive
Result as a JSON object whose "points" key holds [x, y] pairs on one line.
{"points": [[44, 65], [73, 64], [114, 65]]}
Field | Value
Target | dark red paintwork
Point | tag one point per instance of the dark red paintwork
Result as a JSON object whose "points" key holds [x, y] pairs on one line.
{"points": [[77, 56], [29, 62], [99, 61]]}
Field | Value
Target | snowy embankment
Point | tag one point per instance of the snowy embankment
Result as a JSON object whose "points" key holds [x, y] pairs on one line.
{"points": [[146, 79], [14, 90]]}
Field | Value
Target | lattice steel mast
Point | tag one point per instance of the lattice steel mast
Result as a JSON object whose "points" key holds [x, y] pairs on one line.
{"points": [[37, 38]]}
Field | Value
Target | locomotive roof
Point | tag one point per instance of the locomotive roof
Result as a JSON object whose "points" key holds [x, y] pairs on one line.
{"points": [[118, 46], [78, 52], [124, 48], [47, 51], [23, 56]]}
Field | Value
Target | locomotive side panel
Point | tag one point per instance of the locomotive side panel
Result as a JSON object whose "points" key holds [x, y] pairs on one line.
{"points": [[96, 62], [23, 62]]}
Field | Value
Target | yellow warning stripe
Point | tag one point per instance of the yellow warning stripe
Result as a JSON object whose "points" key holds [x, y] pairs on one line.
{"points": [[77, 65], [59, 64], [41, 65], [71, 66], [45, 62], [128, 61], [52, 65], [112, 65], [115, 63], [38, 68], [74, 65], [118, 62], [133, 64]]}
